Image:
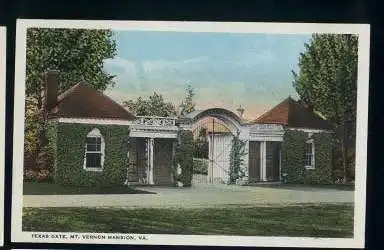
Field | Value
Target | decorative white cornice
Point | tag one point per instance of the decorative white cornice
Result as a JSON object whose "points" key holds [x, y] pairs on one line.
{"points": [[310, 130], [93, 121]]}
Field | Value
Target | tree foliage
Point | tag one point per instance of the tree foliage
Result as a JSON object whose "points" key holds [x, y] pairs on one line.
{"points": [[155, 105], [188, 104], [31, 125], [327, 82], [78, 54], [201, 144]]}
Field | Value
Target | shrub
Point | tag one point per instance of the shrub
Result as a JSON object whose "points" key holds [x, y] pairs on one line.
{"points": [[200, 166], [43, 175], [184, 159]]}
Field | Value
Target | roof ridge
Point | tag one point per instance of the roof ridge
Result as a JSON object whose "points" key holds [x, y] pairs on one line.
{"points": [[289, 98]]}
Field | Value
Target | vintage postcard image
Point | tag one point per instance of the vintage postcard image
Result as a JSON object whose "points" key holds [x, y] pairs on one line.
{"points": [[190, 133], [3, 59]]}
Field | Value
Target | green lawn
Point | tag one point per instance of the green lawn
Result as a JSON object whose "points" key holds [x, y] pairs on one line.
{"points": [[302, 220], [343, 187], [34, 188]]}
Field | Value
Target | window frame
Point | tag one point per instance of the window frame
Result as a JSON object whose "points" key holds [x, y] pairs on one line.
{"points": [[95, 133], [312, 154]]}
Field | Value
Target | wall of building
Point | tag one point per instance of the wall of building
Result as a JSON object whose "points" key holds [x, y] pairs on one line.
{"points": [[293, 165], [68, 143]]}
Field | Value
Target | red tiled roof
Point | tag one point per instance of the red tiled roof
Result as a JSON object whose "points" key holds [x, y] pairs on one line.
{"points": [[293, 114], [83, 101]]}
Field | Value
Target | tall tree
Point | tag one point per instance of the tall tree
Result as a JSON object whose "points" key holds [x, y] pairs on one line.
{"points": [[78, 54], [155, 105], [188, 104], [327, 82]]}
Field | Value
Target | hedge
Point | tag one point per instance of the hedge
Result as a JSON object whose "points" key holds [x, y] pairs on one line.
{"points": [[184, 158], [70, 149], [293, 149], [200, 166]]}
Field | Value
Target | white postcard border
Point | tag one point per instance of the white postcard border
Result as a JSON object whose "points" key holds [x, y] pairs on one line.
{"points": [[3, 59], [363, 30]]}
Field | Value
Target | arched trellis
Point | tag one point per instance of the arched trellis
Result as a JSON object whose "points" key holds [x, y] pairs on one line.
{"points": [[219, 140], [233, 121]]}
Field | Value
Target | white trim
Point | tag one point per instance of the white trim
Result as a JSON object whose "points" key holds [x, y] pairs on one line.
{"points": [[253, 137], [3, 52], [136, 130], [150, 159], [153, 134], [263, 160], [94, 121], [96, 134], [153, 127], [310, 130], [313, 159]]}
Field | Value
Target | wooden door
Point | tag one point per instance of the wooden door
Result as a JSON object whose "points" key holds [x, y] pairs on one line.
{"points": [[254, 161]]}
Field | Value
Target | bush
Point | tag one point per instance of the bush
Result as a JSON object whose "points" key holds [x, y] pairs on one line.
{"points": [[184, 159], [43, 175], [200, 166]]}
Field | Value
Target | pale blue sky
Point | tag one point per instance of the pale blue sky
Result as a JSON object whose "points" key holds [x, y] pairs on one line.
{"points": [[225, 69]]}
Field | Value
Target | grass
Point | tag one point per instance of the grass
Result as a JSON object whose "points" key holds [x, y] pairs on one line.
{"points": [[342, 187], [43, 188], [321, 220]]}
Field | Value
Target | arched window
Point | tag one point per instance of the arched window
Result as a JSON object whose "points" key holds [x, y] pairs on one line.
{"points": [[309, 156], [94, 151]]}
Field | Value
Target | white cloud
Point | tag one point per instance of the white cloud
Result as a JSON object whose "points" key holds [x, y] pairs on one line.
{"points": [[168, 65], [122, 65]]}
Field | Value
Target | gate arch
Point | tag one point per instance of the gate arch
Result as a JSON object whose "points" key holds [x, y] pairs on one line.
{"points": [[221, 125], [225, 115]]}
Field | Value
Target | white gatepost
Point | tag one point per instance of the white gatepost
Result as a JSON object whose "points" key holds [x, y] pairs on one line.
{"points": [[150, 143]]}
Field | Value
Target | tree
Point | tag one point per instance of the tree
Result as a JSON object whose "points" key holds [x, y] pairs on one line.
{"points": [[78, 54], [155, 105], [188, 104], [327, 82]]}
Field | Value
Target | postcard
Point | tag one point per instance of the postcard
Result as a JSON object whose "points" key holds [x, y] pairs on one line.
{"points": [[190, 133], [3, 34]]}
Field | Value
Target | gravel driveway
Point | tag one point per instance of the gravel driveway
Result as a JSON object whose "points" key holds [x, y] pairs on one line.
{"points": [[201, 195]]}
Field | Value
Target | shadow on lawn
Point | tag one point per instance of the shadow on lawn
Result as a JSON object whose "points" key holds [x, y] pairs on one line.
{"points": [[320, 220]]}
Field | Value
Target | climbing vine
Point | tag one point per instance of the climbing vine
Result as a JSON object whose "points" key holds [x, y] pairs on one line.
{"points": [[68, 143], [293, 165], [236, 160]]}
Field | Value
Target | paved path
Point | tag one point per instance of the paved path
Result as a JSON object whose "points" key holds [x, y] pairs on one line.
{"points": [[202, 195]]}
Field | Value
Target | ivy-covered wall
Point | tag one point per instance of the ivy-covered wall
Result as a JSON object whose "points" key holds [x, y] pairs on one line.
{"points": [[293, 149], [68, 143]]}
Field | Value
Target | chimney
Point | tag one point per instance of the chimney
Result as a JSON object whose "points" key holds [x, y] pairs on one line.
{"points": [[51, 89], [240, 111]]}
